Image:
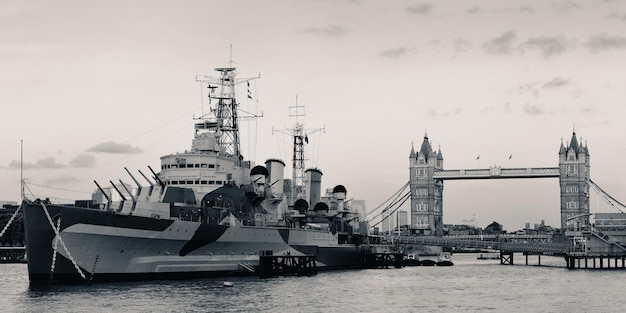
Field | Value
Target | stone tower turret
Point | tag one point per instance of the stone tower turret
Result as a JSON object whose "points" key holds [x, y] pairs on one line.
{"points": [[574, 176], [426, 192]]}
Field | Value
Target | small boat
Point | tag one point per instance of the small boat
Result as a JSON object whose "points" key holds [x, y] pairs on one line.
{"points": [[411, 259], [444, 259], [488, 257], [428, 262], [228, 284]]}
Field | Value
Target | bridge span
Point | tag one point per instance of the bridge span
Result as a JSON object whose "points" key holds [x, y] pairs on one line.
{"points": [[497, 172]]}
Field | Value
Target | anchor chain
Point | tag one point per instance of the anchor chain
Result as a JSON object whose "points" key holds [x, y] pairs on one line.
{"points": [[54, 250], [58, 237], [93, 270], [10, 221]]}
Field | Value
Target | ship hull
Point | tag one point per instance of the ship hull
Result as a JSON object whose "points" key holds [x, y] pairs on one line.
{"points": [[106, 246]]}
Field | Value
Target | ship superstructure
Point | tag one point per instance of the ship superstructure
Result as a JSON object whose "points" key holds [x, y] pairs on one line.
{"points": [[215, 157]]}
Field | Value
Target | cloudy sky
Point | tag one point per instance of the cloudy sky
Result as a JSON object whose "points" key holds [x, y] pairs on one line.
{"points": [[93, 86]]}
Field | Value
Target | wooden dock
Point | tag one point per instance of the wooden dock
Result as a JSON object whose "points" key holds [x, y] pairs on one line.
{"points": [[384, 260], [286, 265], [12, 254]]}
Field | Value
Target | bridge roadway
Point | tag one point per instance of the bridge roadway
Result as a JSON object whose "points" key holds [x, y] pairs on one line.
{"points": [[497, 172], [509, 243]]}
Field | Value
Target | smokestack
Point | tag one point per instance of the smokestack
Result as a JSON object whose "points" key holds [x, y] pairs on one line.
{"points": [[313, 185], [276, 169]]}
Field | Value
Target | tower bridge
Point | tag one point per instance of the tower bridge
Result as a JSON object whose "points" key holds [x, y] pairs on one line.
{"points": [[427, 176]]}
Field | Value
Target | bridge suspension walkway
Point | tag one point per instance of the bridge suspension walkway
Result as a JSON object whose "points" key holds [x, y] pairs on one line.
{"points": [[529, 247]]}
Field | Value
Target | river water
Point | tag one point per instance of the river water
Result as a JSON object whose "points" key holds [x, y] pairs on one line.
{"points": [[470, 285]]}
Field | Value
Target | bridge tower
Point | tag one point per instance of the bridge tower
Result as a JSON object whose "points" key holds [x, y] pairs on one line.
{"points": [[574, 181], [426, 191]]}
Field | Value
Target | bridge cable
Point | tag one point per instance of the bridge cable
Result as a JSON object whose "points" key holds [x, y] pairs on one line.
{"points": [[607, 197], [404, 198], [391, 204], [384, 202]]}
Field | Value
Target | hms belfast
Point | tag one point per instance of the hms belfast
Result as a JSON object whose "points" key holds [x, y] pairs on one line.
{"points": [[207, 212]]}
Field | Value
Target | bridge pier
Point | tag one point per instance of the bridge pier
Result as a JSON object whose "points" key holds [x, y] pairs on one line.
{"points": [[538, 258], [506, 257], [595, 261]]}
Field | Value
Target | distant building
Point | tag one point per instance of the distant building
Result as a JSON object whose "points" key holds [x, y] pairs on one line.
{"points": [[359, 207], [5, 204], [402, 217], [458, 230], [387, 225], [493, 228]]}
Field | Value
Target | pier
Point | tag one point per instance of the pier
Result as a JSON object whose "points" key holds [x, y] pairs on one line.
{"points": [[384, 260], [12, 254], [286, 265]]}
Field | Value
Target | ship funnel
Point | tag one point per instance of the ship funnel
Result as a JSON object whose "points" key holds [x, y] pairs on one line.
{"points": [[339, 192], [301, 206], [276, 169], [258, 176], [313, 185]]}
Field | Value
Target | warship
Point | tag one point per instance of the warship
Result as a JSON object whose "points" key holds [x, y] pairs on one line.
{"points": [[207, 212]]}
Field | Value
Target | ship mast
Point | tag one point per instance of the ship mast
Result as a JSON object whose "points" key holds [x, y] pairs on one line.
{"points": [[222, 120], [300, 138]]}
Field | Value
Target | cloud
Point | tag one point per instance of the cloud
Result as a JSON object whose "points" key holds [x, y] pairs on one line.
{"points": [[556, 83], [502, 44], [535, 89], [474, 9], [420, 9], [395, 53], [520, 9], [564, 6], [534, 109], [116, 148], [602, 42], [41, 163], [330, 31], [454, 112], [462, 45], [84, 161], [617, 16], [8, 8], [548, 45], [529, 89], [525, 9]]}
